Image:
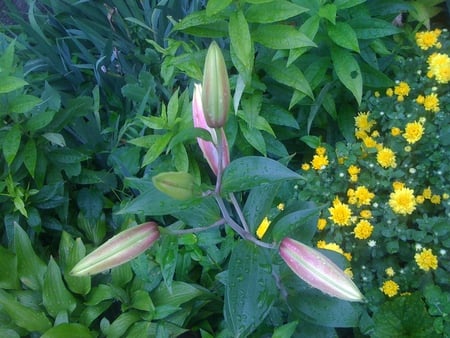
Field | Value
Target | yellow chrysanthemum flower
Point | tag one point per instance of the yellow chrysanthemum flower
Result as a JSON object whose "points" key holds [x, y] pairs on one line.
{"points": [[428, 39], [413, 132], [435, 199], [340, 213], [395, 131], [427, 193], [420, 199], [319, 162], [431, 103], [386, 158], [402, 89], [389, 92], [262, 228], [370, 142], [420, 99], [321, 151], [402, 201], [445, 196], [353, 170], [363, 229], [321, 224], [306, 166], [398, 185], [390, 288], [363, 196], [363, 123], [439, 67], [426, 260], [390, 271], [366, 214]]}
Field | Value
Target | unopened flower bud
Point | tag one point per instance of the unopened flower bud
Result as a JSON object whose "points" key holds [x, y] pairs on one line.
{"points": [[178, 185], [209, 149], [318, 271], [216, 88], [118, 250]]}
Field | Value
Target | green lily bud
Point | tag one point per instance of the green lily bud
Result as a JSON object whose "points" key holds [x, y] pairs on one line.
{"points": [[216, 88], [178, 185], [118, 250]]}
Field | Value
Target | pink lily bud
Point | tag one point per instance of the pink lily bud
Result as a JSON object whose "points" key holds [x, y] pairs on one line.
{"points": [[216, 88], [118, 250], [318, 271], [208, 148]]}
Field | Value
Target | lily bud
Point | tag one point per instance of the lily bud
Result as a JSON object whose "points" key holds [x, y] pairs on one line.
{"points": [[216, 88], [118, 250], [178, 185], [318, 271], [208, 148]]}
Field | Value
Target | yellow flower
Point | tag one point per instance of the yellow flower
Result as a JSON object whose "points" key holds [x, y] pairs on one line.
{"points": [[389, 92], [376, 93], [319, 162], [363, 123], [426, 260], [353, 170], [306, 166], [370, 142], [363, 229], [354, 178], [439, 67], [445, 196], [420, 199], [360, 134], [363, 196], [435, 199], [431, 103], [366, 214], [428, 39], [427, 193], [262, 228], [321, 224], [348, 272], [413, 132], [390, 271], [386, 158], [321, 151], [390, 288], [340, 213], [420, 99], [280, 206], [400, 98], [402, 201], [402, 89], [395, 131], [398, 185]]}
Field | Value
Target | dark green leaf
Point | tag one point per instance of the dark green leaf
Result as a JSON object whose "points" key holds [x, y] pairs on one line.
{"points": [[273, 11], [11, 143], [348, 71], [180, 293], [8, 265], [167, 256], [241, 41], [39, 120], [11, 83], [343, 35], [278, 36], [328, 11], [372, 28], [253, 137], [30, 156], [68, 330], [251, 171], [23, 103], [250, 290], [121, 324], [157, 148]]}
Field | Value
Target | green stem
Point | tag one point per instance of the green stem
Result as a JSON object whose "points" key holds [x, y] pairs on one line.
{"points": [[199, 229], [238, 209]]}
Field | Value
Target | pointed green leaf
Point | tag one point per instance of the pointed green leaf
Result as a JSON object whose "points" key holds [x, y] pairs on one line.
{"points": [[254, 137], [7, 58], [250, 290], [251, 171], [278, 36], [215, 6], [55, 296], [68, 330], [241, 41], [23, 316], [11, 143], [30, 156], [274, 11], [39, 120], [11, 83], [180, 293], [30, 267], [328, 11], [8, 266], [372, 28], [348, 71], [156, 149], [343, 35]]}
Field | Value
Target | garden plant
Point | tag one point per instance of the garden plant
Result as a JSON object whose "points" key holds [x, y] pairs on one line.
{"points": [[249, 168]]}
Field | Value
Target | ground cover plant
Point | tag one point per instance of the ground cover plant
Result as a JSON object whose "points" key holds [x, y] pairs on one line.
{"points": [[225, 169]]}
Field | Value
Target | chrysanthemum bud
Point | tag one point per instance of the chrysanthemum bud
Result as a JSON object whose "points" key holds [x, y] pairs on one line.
{"points": [[216, 88], [319, 271], [118, 250], [209, 149], [178, 185]]}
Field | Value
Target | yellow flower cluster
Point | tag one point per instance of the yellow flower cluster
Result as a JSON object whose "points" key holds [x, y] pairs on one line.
{"points": [[426, 260], [390, 288], [334, 247], [360, 196], [429, 102], [353, 171], [413, 132], [428, 195], [428, 39], [363, 229], [401, 90]]}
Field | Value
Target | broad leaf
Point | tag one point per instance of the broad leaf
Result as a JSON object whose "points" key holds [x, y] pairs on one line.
{"points": [[251, 171], [278, 36], [273, 11], [11, 143], [23, 103], [372, 28], [348, 71], [343, 35], [11, 83], [68, 330], [250, 290], [241, 42]]}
